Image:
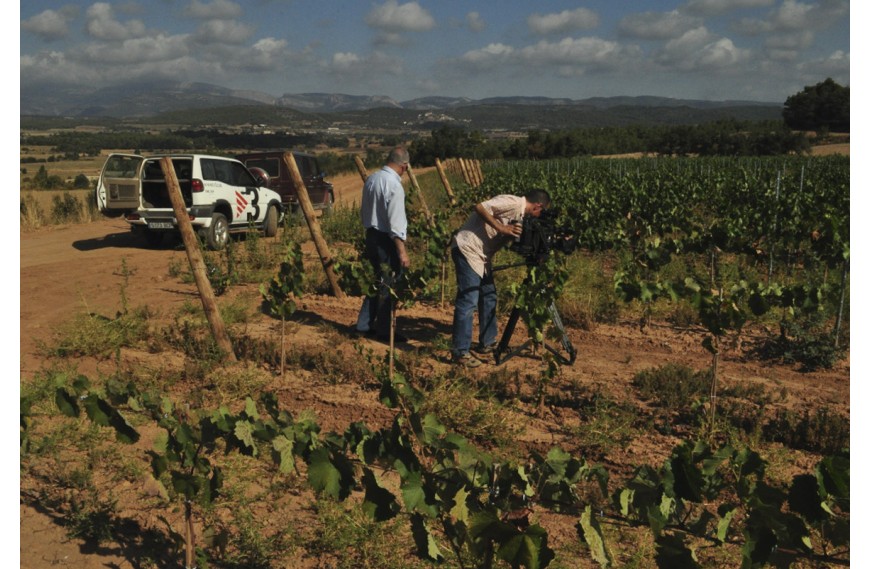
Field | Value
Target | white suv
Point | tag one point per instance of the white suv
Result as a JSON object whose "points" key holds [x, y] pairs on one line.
{"points": [[220, 194]]}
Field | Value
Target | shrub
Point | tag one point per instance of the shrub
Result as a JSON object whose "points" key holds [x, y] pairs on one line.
{"points": [[66, 209], [672, 386], [820, 431]]}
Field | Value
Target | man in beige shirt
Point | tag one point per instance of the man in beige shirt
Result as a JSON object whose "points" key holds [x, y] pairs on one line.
{"points": [[494, 224]]}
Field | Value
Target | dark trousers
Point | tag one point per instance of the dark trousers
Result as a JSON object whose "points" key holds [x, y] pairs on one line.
{"points": [[380, 251]]}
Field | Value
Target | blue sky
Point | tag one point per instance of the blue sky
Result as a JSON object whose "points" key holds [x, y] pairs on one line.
{"points": [[763, 50]]}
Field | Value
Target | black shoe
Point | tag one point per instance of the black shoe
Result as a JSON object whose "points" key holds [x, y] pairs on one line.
{"points": [[483, 350]]}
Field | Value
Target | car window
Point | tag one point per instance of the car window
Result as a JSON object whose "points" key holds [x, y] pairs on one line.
{"points": [[270, 165], [122, 166], [240, 175], [217, 170], [304, 164]]}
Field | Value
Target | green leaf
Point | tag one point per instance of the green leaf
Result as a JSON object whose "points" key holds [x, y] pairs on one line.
{"points": [[590, 533], [416, 496], [672, 553], [124, 431], [284, 454], [66, 403], [98, 410], [244, 432], [459, 511], [251, 409], [427, 548], [379, 503], [726, 513], [528, 549], [327, 477]]}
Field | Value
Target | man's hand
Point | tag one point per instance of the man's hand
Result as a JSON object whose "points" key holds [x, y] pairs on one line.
{"points": [[512, 229], [403, 253]]}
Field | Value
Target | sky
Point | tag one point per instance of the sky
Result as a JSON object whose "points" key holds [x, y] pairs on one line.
{"points": [[759, 50]]}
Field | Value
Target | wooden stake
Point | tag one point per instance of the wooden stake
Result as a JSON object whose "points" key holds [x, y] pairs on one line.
{"points": [[444, 181], [313, 224], [361, 168], [197, 264], [430, 220]]}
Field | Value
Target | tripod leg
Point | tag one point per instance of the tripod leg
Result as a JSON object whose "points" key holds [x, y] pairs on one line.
{"points": [[565, 341], [506, 336]]}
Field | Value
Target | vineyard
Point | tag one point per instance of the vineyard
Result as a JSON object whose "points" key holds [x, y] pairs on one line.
{"points": [[721, 436]]}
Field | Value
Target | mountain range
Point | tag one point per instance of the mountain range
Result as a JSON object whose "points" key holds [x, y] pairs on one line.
{"points": [[140, 100]]}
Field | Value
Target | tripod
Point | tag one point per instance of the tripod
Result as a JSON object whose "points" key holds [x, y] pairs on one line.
{"points": [[504, 342]]}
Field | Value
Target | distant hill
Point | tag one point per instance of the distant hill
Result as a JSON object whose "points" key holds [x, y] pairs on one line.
{"points": [[198, 104]]}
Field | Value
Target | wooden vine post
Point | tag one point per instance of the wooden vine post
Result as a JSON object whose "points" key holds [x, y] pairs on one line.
{"points": [[197, 264], [429, 219], [361, 168], [444, 181], [313, 224]]}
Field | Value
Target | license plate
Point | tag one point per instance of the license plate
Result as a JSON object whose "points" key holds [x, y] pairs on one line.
{"points": [[160, 225]]}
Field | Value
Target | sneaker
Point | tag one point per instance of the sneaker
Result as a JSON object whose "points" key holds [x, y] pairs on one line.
{"points": [[467, 360], [484, 350]]}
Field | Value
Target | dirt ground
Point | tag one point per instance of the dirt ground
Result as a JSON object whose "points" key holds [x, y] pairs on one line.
{"points": [[70, 269]]}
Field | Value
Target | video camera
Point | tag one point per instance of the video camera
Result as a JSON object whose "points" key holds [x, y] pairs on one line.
{"points": [[541, 235]]}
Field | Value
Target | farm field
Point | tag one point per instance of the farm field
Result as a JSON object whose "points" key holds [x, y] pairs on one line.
{"points": [[591, 409]]}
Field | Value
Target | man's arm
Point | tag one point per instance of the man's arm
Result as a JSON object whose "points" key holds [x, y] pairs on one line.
{"points": [[503, 228], [403, 254]]}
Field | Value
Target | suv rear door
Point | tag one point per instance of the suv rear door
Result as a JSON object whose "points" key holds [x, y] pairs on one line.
{"points": [[118, 189]]}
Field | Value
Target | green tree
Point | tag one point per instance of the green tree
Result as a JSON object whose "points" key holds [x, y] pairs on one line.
{"points": [[824, 106]]}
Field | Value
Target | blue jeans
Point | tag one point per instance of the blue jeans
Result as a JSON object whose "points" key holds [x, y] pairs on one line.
{"points": [[473, 293], [375, 312]]}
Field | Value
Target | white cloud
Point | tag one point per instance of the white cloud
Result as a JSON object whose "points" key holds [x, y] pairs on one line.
{"points": [[158, 48], [49, 24], [657, 25], [267, 54], [717, 7], [475, 22], [587, 52], [392, 17], [215, 10], [103, 25], [223, 32], [568, 56], [565, 21], [698, 50]]}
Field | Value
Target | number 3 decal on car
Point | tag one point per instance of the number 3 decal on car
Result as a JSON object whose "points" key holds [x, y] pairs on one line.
{"points": [[242, 203]]}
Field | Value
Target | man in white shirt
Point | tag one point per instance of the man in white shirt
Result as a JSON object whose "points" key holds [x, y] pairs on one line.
{"points": [[382, 212], [494, 224]]}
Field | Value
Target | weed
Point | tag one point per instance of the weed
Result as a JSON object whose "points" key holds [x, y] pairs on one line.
{"points": [[820, 431], [237, 382], [89, 334], [802, 342], [32, 215], [672, 386], [66, 209], [349, 539], [465, 410], [605, 424], [342, 225], [91, 520]]}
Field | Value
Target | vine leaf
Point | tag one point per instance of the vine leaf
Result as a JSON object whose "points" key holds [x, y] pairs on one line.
{"points": [[379, 503], [427, 548], [590, 533], [327, 477], [527, 549], [66, 403], [415, 495], [244, 431], [672, 552], [284, 453]]}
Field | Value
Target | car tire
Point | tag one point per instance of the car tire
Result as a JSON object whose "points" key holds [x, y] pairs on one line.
{"points": [[270, 224], [218, 233]]}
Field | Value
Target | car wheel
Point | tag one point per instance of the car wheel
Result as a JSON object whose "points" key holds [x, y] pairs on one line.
{"points": [[154, 239], [270, 224], [218, 233]]}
